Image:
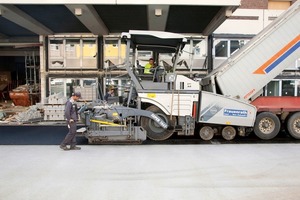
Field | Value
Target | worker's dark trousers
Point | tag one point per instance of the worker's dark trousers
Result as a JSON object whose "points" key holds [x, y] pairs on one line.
{"points": [[71, 136]]}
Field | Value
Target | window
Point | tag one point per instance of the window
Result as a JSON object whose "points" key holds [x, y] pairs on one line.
{"points": [[225, 48], [114, 52], [121, 85], [72, 53], [89, 52], [56, 86], [194, 54], [89, 48], [235, 45], [288, 88], [221, 49], [143, 57], [297, 86], [56, 53], [87, 87], [272, 89], [283, 88]]}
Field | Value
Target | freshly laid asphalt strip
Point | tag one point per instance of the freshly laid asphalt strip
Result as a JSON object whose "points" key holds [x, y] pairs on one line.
{"points": [[34, 135]]}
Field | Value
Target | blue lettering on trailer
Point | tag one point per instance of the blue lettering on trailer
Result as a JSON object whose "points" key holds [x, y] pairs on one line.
{"points": [[235, 113]]}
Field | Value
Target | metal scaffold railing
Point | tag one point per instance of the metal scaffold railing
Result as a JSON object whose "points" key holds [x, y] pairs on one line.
{"points": [[31, 68]]}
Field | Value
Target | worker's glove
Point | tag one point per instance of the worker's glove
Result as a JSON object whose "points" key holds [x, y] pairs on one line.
{"points": [[71, 121]]}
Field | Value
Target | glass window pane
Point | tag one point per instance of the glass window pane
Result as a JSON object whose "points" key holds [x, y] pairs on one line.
{"points": [[200, 53], [288, 88], [89, 48], [111, 52], [114, 52], [56, 48], [56, 53], [221, 49], [56, 86], [298, 87], [73, 53], [122, 52], [89, 53], [89, 82], [72, 48], [273, 88]]}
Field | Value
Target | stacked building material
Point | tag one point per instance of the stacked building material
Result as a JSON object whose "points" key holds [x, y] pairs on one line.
{"points": [[55, 108], [88, 93], [31, 115]]}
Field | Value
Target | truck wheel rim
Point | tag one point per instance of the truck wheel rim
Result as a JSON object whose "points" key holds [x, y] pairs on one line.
{"points": [[266, 125], [296, 126]]}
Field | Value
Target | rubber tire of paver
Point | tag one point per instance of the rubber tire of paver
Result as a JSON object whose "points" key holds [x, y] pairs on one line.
{"points": [[228, 133], [272, 123], [154, 131], [206, 133], [293, 125]]}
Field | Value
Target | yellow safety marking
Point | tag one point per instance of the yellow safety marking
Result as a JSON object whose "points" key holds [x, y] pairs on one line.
{"points": [[151, 95], [106, 123]]}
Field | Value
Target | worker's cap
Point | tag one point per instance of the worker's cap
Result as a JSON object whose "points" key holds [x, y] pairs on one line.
{"points": [[77, 94]]}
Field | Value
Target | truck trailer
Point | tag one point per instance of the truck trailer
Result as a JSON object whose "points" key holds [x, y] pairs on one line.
{"points": [[244, 75]]}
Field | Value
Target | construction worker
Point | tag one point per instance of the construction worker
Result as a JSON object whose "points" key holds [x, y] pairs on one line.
{"points": [[71, 114], [110, 93], [149, 66]]}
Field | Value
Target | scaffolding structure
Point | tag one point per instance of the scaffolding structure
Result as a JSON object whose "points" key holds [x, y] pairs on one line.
{"points": [[32, 66], [31, 69]]}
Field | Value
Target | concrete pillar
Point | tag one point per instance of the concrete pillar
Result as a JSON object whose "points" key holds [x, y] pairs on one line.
{"points": [[43, 73]]}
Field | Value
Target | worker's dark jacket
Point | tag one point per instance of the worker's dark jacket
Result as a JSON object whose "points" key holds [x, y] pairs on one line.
{"points": [[71, 111]]}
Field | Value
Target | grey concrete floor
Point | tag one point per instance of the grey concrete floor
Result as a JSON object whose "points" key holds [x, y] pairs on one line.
{"points": [[154, 172]]}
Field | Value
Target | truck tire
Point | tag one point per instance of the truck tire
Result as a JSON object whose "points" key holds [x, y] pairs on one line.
{"points": [[293, 125], [154, 131], [267, 125]]}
